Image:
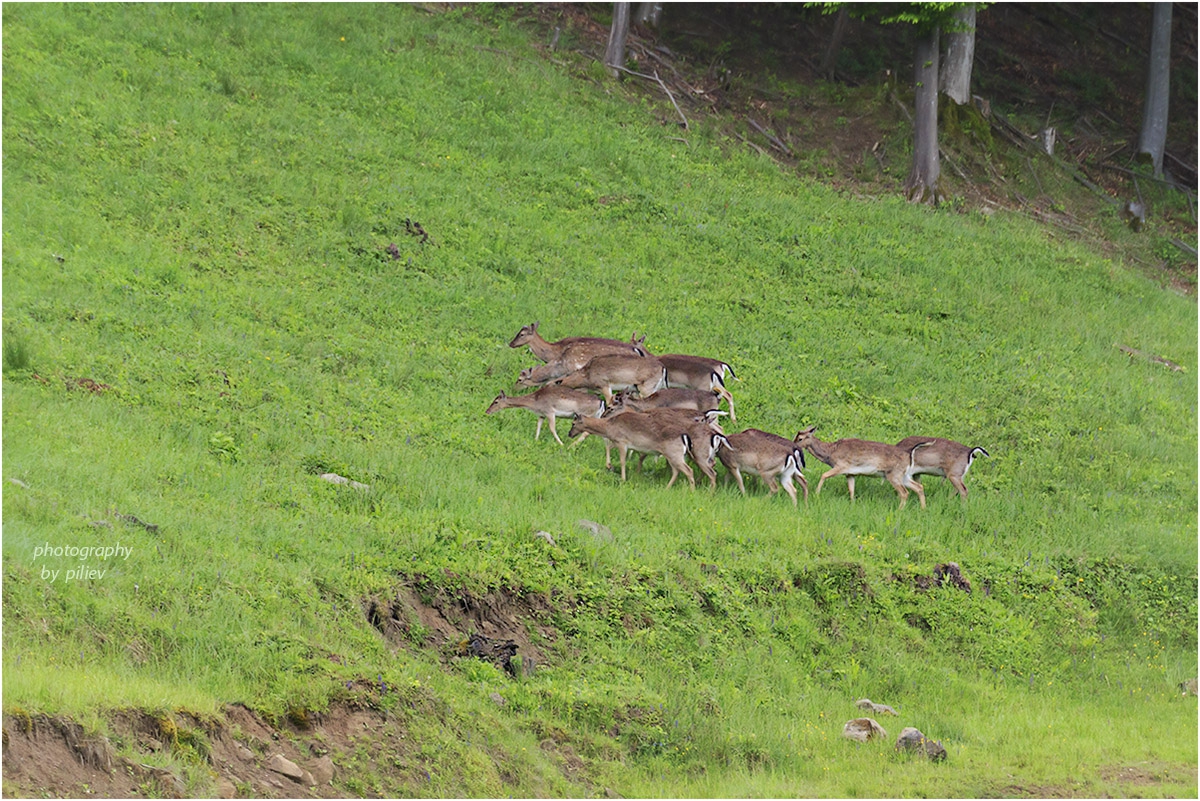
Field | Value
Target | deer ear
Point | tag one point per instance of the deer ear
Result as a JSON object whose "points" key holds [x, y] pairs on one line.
{"points": [[535, 325]]}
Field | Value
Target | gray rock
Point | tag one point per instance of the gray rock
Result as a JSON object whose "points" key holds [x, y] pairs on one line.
{"points": [[498, 699], [599, 531], [245, 754], [286, 767], [545, 535], [334, 478], [913, 741], [322, 770], [863, 729], [878, 709], [226, 788]]}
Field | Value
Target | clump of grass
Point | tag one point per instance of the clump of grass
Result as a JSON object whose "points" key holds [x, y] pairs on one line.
{"points": [[18, 357]]}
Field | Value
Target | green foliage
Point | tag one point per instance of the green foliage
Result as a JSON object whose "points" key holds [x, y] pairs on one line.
{"points": [[226, 185]]}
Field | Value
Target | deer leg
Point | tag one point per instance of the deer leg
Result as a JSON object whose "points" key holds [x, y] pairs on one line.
{"points": [[552, 418], [738, 475], [790, 489], [850, 484], [538, 434], [958, 485], [830, 474]]}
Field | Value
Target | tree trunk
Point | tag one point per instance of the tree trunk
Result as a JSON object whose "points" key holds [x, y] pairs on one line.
{"points": [[829, 61], [614, 56], [923, 181], [955, 75], [1153, 138]]}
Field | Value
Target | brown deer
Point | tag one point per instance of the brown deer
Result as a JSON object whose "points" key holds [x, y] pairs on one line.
{"points": [[613, 371], [669, 398], [705, 436], [549, 403], [552, 351], [860, 457], [574, 357], [641, 432], [697, 372], [943, 457], [768, 456]]}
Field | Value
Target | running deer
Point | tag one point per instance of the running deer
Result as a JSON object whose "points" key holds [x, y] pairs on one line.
{"points": [[698, 372], [943, 457], [768, 456], [574, 357], [552, 351], [859, 457], [613, 371], [549, 403], [640, 432]]}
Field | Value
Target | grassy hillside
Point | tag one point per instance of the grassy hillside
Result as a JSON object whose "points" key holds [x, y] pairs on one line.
{"points": [[201, 315]]}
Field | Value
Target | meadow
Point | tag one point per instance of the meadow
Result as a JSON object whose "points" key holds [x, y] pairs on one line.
{"points": [[213, 293]]}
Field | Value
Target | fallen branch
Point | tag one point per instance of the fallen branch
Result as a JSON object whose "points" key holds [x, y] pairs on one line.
{"points": [[747, 141], [774, 140], [655, 77], [1135, 352]]}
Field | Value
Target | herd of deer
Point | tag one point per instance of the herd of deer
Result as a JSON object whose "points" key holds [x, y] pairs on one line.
{"points": [[669, 405]]}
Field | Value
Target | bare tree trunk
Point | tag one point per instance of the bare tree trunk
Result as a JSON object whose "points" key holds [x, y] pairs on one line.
{"points": [[1153, 138], [614, 56], [923, 181], [955, 75], [829, 61]]}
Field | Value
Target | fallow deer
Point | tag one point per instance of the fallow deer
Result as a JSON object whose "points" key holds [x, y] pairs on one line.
{"points": [[613, 371], [943, 457], [551, 351], [574, 357], [705, 436], [640, 432], [859, 457], [768, 456], [549, 403], [670, 398], [697, 372]]}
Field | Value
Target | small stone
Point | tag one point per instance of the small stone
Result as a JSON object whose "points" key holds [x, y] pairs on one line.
{"points": [[545, 535], [498, 699], [863, 729], [599, 531], [226, 788], [286, 767], [912, 740], [322, 770], [245, 754], [878, 709], [334, 478]]}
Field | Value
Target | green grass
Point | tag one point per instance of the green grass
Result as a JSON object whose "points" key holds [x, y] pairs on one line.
{"points": [[221, 183]]}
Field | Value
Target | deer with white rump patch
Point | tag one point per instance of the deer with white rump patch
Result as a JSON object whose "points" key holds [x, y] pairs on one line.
{"points": [[552, 351], [642, 432], [943, 457], [550, 403], [704, 434], [860, 457], [698, 372], [768, 456]]}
